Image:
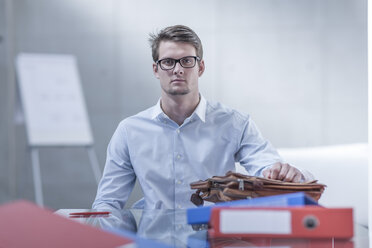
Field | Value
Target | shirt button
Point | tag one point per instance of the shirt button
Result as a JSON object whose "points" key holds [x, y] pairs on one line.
{"points": [[178, 156], [179, 206], [178, 131], [179, 181]]}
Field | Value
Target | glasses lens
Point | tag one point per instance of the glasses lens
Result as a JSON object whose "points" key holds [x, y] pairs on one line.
{"points": [[167, 64], [188, 62]]}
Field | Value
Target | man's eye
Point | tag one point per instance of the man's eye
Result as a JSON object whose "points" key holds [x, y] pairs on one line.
{"points": [[186, 61], [167, 62]]}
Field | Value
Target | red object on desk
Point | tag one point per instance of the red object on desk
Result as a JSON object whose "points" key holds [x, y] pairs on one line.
{"points": [[23, 224], [295, 222], [90, 213]]}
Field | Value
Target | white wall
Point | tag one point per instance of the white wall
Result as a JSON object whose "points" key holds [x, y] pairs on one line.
{"points": [[299, 67]]}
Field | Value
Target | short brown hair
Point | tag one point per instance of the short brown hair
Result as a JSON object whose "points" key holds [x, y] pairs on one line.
{"points": [[177, 33]]}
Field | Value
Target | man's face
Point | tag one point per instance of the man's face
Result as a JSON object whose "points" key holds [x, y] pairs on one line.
{"points": [[179, 80]]}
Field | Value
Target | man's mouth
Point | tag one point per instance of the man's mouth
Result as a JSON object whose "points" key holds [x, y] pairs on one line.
{"points": [[178, 80]]}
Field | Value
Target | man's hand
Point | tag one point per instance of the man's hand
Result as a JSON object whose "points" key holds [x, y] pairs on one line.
{"points": [[283, 172]]}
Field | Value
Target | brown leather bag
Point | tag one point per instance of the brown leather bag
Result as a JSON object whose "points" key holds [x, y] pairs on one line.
{"points": [[236, 186]]}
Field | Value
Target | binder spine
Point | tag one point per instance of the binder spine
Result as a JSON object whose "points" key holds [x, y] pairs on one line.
{"points": [[298, 222]]}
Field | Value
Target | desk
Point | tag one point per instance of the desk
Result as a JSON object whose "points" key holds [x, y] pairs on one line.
{"points": [[170, 227]]}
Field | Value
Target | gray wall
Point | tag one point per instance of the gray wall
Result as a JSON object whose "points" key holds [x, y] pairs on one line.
{"points": [[299, 67]]}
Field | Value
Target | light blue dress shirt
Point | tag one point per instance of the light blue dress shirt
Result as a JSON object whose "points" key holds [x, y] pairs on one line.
{"points": [[166, 157]]}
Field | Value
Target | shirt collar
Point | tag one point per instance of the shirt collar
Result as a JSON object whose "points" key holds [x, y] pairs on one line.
{"points": [[157, 110], [199, 111]]}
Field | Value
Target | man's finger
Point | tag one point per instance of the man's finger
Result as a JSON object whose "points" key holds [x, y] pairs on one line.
{"points": [[283, 171], [266, 173], [290, 175], [275, 170], [297, 178]]}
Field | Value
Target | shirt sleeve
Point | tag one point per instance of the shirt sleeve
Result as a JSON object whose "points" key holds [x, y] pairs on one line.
{"points": [[118, 177], [255, 153]]}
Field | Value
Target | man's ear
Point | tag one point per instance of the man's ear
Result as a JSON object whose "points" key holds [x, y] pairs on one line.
{"points": [[201, 67], [155, 70]]}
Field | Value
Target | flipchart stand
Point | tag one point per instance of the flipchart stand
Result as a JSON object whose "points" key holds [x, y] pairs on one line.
{"points": [[36, 172], [54, 109]]}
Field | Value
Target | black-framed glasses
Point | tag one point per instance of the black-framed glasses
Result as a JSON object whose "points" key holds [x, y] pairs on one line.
{"points": [[185, 62]]}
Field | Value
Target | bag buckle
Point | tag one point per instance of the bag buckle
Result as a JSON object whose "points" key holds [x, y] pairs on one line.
{"points": [[241, 184]]}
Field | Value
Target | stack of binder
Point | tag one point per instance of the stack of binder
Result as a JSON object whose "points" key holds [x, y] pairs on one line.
{"points": [[282, 216], [201, 215], [278, 243], [290, 222]]}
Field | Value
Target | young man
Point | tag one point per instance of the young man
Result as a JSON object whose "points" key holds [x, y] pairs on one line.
{"points": [[184, 137]]}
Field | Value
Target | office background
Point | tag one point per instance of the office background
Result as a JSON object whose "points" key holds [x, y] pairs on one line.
{"points": [[299, 67]]}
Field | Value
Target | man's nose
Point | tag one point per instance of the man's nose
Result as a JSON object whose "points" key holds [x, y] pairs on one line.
{"points": [[178, 69]]}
